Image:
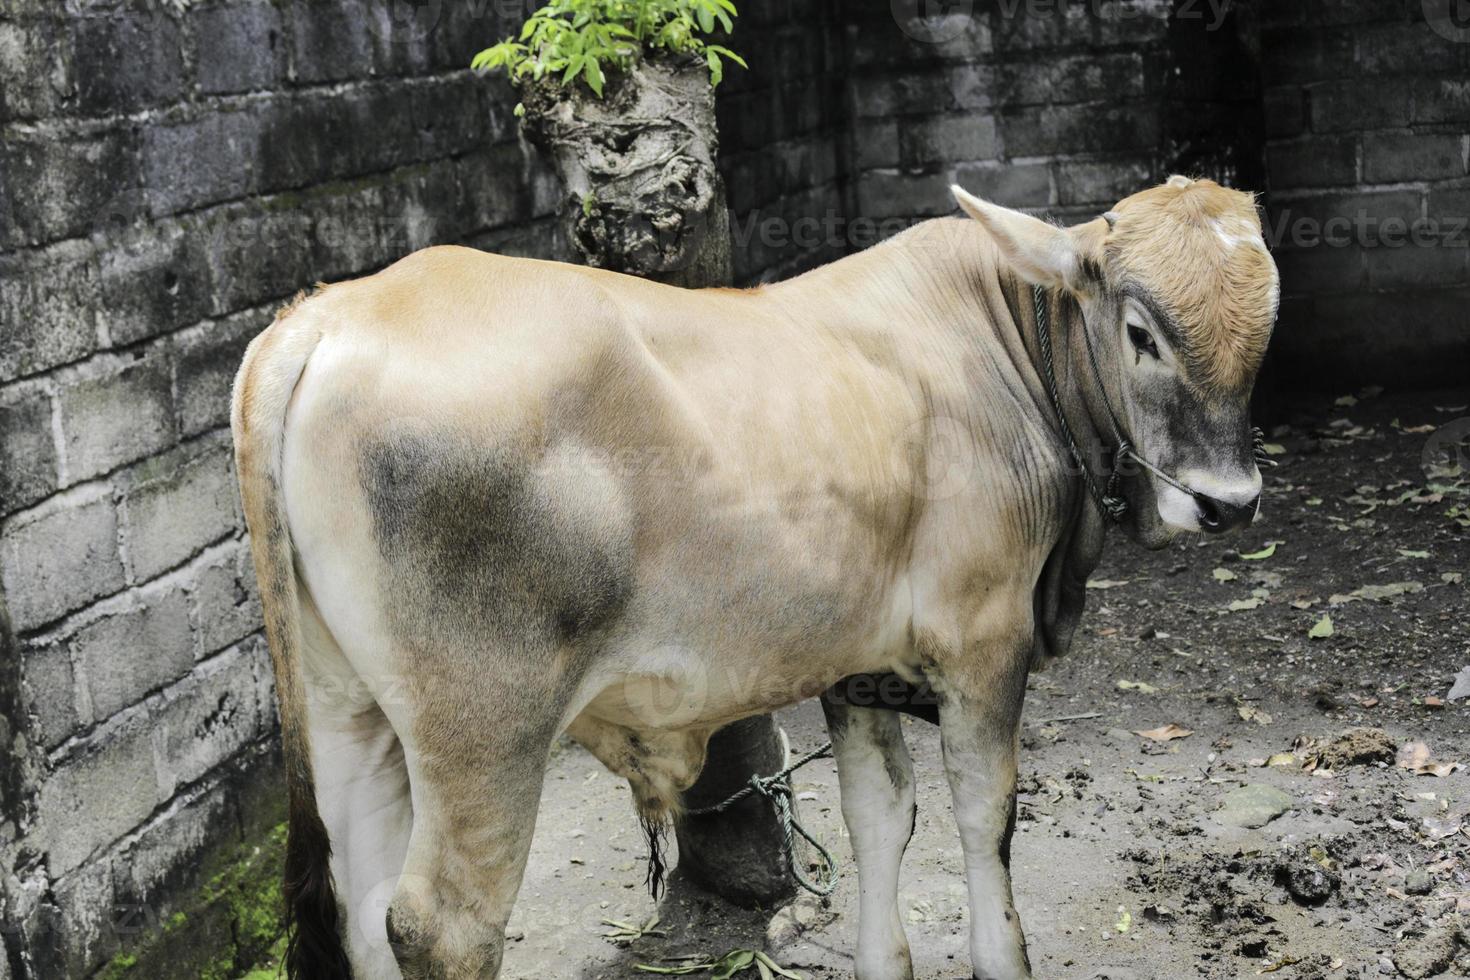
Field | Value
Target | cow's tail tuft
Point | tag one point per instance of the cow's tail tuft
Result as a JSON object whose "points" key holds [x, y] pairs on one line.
{"points": [[271, 369], [656, 830]]}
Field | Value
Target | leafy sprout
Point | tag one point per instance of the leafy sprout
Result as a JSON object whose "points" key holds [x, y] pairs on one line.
{"points": [[584, 39]]}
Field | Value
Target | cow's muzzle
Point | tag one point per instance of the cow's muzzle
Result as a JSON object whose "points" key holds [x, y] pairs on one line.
{"points": [[1217, 516]]}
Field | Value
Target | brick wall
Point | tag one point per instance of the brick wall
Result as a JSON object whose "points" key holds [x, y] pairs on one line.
{"points": [[1333, 110], [1055, 110], [167, 177], [1367, 109], [783, 128]]}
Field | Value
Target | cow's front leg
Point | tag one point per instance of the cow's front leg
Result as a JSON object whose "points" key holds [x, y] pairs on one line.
{"points": [[979, 718], [877, 781]]}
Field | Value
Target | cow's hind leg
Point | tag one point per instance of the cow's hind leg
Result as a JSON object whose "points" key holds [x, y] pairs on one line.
{"points": [[476, 772], [877, 783], [362, 794]]}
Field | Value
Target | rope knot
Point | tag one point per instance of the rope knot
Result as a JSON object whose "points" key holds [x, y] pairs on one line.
{"points": [[777, 788]]}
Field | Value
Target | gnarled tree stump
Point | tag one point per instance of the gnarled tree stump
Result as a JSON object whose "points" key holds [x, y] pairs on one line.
{"points": [[644, 197]]}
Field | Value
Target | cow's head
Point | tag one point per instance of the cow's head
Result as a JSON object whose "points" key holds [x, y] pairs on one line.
{"points": [[1180, 296]]}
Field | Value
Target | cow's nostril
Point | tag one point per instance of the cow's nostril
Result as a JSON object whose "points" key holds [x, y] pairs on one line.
{"points": [[1216, 516], [1209, 513]]}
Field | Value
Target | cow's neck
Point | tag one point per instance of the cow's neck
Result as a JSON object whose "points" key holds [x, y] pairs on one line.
{"points": [[962, 290], [942, 287]]}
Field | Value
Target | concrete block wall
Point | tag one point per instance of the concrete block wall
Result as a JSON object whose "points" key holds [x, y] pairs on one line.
{"points": [[1368, 140], [1051, 108], [783, 128], [169, 174], [1059, 108]]}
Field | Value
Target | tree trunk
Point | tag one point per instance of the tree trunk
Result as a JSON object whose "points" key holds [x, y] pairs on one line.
{"points": [[644, 197]]}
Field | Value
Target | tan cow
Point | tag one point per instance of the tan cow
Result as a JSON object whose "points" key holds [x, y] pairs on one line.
{"points": [[493, 499]]}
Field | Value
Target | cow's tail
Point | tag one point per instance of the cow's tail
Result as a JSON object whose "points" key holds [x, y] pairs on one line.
{"points": [[272, 366]]}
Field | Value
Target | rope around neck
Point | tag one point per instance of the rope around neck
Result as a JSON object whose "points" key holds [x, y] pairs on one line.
{"points": [[1109, 501], [777, 789]]}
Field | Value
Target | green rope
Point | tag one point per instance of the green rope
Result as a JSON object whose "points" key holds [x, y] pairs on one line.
{"points": [[777, 789]]}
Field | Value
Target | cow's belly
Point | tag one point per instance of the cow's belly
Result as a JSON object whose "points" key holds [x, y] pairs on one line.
{"points": [[741, 615]]}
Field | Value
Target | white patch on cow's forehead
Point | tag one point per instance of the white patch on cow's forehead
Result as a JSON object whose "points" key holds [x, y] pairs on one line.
{"points": [[1235, 231]]}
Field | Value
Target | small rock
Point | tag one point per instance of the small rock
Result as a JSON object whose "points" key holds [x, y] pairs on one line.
{"points": [[1305, 879], [1429, 955], [1417, 882], [1252, 805], [1386, 967]]}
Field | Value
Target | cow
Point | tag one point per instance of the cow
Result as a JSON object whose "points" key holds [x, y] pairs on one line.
{"points": [[492, 500]]}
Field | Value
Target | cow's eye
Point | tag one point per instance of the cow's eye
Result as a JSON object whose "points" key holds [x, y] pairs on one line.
{"points": [[1142, 342]]}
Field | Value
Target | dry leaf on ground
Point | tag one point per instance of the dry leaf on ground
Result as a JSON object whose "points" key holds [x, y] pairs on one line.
{"points": [[1166, 733], [1415, 757]]}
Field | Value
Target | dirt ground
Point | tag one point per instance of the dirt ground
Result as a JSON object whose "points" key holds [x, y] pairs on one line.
{"points": [[1125, 864]]}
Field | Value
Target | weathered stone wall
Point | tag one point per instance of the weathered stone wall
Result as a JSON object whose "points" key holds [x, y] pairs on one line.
{"points": [[1367, 108], [169, 174], [1353, 119]]}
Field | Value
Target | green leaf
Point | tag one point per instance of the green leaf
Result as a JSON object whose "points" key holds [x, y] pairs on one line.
{"points": [[1322, 629], [725, 52], [1261, 555], [1407, 553], [732, 963], [593, 74], [775, 967], [574, 65], [683, 969]]}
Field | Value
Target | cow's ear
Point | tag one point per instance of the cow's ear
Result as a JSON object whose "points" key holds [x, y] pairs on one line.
{"points": [[1041, 253]]}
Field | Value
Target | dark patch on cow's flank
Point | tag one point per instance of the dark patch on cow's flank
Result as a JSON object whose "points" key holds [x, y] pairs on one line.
{"points": [[488, 548]]}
